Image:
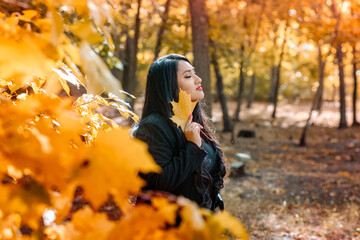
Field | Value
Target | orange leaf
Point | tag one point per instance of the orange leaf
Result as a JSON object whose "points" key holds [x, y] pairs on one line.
{"points": [[111, 167], [182, 109]]}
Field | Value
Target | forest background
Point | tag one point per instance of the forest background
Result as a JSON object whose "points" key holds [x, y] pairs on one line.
{"points": [[268, 52]]}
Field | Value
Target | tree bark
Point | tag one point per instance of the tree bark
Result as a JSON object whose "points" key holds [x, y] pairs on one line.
{"points": [[116, 35], [302, 141], [252, 89], [272, 86], [220, 89], [339, 56], [276, 89], [242, 76], [200, 40], [278, 71], [321, 69], [354, 97], [130, 63], [273, 66], [241, 86], [162, 29]]}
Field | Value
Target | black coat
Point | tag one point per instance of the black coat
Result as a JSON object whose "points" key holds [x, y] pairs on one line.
{"points": [[177, 157]]}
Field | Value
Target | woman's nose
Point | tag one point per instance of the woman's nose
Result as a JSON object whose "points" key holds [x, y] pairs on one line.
{"points": [[197, 79]]}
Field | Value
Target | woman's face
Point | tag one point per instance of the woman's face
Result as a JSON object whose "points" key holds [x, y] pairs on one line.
{"points": [[189, 81]]}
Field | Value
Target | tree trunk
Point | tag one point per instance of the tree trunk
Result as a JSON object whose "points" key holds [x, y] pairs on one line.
{"points": [[241, 86], [162, 29], [252, 89], [272, 86], [302, 141], [220, 89], [276, 89], [130, 64], [354, 97], [117, 34], [187, 27], [278, 71], [273, 66], [339, 56], [321, 69], [200, 40]]}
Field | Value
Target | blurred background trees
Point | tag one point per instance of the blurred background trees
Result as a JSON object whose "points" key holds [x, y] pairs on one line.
{"points": [[274, 51]]}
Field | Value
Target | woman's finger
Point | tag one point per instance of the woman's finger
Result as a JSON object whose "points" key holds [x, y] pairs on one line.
{"points": [[190, 120], [201, 127]]}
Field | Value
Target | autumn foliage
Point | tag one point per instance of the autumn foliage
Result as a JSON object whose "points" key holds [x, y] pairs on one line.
{"points": [[62, 164]]}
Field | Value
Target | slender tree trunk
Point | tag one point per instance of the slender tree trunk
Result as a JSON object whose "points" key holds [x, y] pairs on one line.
{"points": [[272, 86], [276, 89], [220, 89], [200, 40], [117, 34], [241, 86], [252, 89], [187, 27], [354, 97], [339, 56], [244, 63], [302, 141], [317, 101], [273, 67], [130, 64], [321, 69], [278, 71], [162, 29]]}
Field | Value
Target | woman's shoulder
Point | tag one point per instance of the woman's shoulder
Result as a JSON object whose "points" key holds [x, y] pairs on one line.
{"points": [[155, 119], [154, 122], [155, 127]]}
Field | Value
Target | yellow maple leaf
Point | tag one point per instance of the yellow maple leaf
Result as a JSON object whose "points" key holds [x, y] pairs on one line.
{"points": [[111, 168], [41, 144], [182, 109]]}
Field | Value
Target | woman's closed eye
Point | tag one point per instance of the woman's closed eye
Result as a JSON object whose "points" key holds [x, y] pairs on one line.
{"points": [[188, 76]]}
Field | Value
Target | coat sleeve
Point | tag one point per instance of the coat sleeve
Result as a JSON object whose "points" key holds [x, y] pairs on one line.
{"points": [[175, 168]]}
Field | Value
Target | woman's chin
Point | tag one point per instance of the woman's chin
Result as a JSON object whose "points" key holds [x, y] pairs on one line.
{"points": [[202, 95]]}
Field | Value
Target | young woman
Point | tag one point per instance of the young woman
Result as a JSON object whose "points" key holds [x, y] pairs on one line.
{"points": [[191, 159]]}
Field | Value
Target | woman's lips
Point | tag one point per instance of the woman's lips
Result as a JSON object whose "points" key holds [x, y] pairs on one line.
{"points": [[199, 88]]}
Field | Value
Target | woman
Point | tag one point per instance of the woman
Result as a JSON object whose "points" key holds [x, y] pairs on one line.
{"points": [[191, 160]]}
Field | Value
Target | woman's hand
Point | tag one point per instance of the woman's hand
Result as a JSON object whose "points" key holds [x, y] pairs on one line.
{"points": [[192, 131]]}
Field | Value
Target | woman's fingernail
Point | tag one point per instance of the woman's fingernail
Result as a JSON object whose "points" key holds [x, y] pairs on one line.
{"points": [[190, 115]]}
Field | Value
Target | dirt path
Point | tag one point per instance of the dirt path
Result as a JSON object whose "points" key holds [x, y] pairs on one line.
{"points": [[292, 192]]}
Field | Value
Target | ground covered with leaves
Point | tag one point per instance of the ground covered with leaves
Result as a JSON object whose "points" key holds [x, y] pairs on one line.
{"points": [[288, 191]]}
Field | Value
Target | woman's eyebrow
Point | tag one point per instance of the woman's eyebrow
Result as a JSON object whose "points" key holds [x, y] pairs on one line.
{"points": [[189, 70]]}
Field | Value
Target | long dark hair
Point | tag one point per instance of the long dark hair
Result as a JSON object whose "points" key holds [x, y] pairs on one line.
{"points": [[162, 88]]}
